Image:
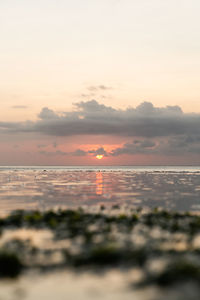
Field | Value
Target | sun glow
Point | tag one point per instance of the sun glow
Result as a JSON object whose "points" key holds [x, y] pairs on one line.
{"points": [[99, 156]]}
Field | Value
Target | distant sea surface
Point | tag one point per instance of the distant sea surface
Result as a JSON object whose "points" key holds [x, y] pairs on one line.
{"points": [[170, 187]]}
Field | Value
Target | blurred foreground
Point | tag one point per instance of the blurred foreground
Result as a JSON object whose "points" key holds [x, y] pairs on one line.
{"points": [[152, 254]]}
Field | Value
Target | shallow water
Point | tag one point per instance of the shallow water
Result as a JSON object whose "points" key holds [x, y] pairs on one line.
{"points": [[68, 285], [174, 188]]}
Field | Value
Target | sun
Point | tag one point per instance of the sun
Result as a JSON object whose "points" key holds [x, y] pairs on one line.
{"points": [[99, 156]]}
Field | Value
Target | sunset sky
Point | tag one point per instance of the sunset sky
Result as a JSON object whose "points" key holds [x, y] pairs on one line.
{"points": [[115, 78]]}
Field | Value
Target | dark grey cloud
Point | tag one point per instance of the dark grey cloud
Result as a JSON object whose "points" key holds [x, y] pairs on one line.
{"points": [[99, 151], [17, 127], [94, 152], [154, 129], [9, 125], [137, 146], [175, 145], [181, 144], [92, 118], [79, 152], [54, 153], [48, 114]]}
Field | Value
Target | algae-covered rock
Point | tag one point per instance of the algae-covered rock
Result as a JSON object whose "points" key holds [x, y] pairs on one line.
{"points": [[10, 264]]}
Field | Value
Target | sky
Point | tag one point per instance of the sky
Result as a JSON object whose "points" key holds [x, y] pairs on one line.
{"points": [[117, 78]]}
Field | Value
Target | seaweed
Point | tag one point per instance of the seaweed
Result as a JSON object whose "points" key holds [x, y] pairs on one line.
{"points": [[10, 264]]}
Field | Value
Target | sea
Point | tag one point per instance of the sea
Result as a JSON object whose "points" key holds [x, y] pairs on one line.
{"points": [[43, 188]]}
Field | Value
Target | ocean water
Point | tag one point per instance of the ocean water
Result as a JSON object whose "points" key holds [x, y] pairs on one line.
{"points": [[173, 188]]}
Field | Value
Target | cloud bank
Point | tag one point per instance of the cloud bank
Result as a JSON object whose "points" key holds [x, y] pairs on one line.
{"points": [[152, 129], [92, 118]]}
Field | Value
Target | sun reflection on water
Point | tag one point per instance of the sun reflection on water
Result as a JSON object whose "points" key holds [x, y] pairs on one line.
{"points": [[99, 183]]}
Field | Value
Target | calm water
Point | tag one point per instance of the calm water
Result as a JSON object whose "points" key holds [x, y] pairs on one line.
{"points": [[176, 188]]}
